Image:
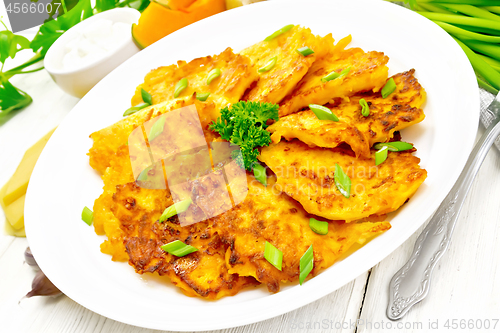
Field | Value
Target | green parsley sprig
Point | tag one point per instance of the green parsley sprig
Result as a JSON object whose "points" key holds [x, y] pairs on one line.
{"points": [[244, 124]]}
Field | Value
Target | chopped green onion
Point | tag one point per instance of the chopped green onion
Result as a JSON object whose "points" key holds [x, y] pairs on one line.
{"points": [[260, 174], [176, 208], [305, 51], [270, 64], [335, 75], [146, 97], [134, 109], [202, 97], [365, 109], [306, 264], [157, 128], [144, 174], [319, 227], [279, 32], [381, 155], [323, 113], [214, 73], [273, 255], [389, 88], [342, 181], [180, 86], [87, 215], [394, 146], [178, 248]]}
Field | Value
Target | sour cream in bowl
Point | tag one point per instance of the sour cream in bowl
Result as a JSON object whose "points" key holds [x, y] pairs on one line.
{"points": [[87, 52]]}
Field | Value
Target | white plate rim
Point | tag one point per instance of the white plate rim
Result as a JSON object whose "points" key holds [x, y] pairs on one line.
{"points": [[289, 300]]}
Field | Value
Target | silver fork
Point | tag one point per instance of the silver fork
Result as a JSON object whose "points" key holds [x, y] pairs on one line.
{"points": [[411, 283]]}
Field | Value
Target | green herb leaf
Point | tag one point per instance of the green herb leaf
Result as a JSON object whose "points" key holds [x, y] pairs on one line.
{"points": [[305, 51], [260, 173], [381, 155], [87, 215], [49, 32], [10, 44], [176, 208], [389, 88], [134, 109], [146, 97], [270, 64], [306, 264], [323, 113], [157, 128], [365, 109], [244, 124], [342, 181], [319, 227], [394, 146], [273, 255], [178, 248], [279, 32], [202, 96], [12, 98], [335, 75], [180, 86], [212, 75]]}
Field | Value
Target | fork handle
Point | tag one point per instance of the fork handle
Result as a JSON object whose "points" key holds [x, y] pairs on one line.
{"points": [[411, 283]]}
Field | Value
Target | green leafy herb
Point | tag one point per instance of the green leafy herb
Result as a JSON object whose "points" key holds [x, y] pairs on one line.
{"points": [[381, 155], [279, 32], [323, 113], [176, 208], [336, 75], [273, 255], [394, 146], [270, 64], [178, 248], [180, 86], [319, 227], [202, 96], [212, 75], [260, 173], [134, 109], [244, 124], [342, 181], [365, 109], [69, 13], [87, 215], [305, 51], [146, 97], [306, 264], [389, 88]]}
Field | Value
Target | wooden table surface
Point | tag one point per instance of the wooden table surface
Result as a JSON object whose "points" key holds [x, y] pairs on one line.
{"points": [[463, 285]]}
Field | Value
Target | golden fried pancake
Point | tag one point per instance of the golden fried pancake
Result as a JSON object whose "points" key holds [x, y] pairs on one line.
{"points": [[307, 175], [400, 110], [107, 140], [237, 74], [268, 215], [368, 71], [202, 273], [290, 67]]}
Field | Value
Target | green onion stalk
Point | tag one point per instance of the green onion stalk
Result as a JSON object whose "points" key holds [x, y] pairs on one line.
{"points": [[475, 26]]}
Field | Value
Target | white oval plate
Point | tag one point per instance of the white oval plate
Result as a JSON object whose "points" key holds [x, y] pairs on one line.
{"points": [[63, 182]]}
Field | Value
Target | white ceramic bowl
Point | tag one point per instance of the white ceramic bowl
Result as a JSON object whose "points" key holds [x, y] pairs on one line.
{"points": [[78, 82]]}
